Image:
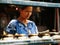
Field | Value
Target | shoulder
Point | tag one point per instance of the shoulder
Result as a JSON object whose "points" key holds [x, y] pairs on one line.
{"points": [[13, 21], [31, 22]]}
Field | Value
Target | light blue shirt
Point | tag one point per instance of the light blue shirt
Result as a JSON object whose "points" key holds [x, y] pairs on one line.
{"points": [[16, 26]]}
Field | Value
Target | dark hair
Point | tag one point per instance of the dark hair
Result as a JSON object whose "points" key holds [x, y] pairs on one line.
{"points": [[22, 7]]}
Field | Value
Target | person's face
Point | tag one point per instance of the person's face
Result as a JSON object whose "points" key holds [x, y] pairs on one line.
{"points": [[26, 13]]}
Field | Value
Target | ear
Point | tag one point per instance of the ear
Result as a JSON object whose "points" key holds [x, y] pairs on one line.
{"points": [[16, 8]]}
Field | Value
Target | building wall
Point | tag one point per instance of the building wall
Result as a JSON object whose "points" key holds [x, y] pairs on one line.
{"points": [[59, 22]]}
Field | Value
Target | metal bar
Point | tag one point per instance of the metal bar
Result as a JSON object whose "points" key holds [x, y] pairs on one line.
{"points": [[33, 3]]}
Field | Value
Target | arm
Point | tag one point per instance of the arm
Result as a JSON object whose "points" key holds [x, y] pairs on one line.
{"points": [[11, 28], [34, 30]]}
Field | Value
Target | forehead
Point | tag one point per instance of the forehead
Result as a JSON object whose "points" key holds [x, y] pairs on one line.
{"points": [[28, 8]]}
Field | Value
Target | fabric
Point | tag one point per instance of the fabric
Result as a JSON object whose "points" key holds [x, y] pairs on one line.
{"points": [[16, 26]]}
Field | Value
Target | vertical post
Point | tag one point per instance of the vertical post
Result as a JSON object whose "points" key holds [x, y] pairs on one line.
{"points": [[57, 18]]}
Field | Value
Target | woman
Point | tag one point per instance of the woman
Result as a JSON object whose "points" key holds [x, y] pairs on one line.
{"points": [[22, 25]]}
